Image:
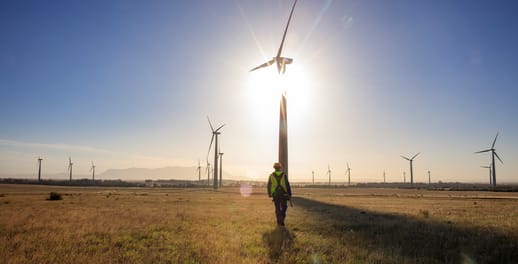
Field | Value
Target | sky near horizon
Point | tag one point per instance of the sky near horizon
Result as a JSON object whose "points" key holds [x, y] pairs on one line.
{"points": [[130, 84]]}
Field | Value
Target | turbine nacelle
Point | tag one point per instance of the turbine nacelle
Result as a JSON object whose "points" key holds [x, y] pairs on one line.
{"points": [[280, 61], [410, 159]]}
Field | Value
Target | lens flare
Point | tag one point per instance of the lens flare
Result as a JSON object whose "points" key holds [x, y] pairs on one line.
{"points": [[245, 189]]}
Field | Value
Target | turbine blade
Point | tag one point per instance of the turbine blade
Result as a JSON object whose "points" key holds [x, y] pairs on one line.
{"points": [[415, 155], [482, 151], [494, 141], [404, 157], [498, 157], [220, 127], [266, 64], [211, 128], [210, 146], [286, 30]]}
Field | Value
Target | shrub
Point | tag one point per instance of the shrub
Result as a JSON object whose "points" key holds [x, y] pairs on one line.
{"points": [[54, 196], [425, 213]]}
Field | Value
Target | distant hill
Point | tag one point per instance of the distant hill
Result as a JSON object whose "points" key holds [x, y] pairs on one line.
{"points": [[133, 174]]}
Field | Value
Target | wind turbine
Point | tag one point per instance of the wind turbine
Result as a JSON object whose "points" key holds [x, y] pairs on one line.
{"points": [[329, 174], [221, 169], [411, 167], [280, 61], [429, 177], [493, 154], [207, 169], [215, 134], [92, 169], [313, 173], [283, 116], [488, 167], [404, 177], [70, 164], [39, 168], [199, 171], [384, 179], [348, 172]]}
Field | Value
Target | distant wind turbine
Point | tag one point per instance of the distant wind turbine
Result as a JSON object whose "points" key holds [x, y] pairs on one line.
{"points": [[207, 169], [493, 154], [429, 177], [313, 173], [283, 115], [488, 167], [215, 134], [404, 177], [92, 169], [411, 167], [329, 174], [348, 172], [384, 179], [39, 168], [198, 169], [70, 164]]}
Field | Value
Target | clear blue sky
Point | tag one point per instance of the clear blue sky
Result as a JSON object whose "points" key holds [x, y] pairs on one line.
{"points": [[130, 83]]}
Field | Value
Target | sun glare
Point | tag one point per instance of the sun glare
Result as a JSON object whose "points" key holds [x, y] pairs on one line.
{"points": [[264, 90]]}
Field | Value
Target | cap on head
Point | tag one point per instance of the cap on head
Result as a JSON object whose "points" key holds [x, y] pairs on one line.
{"points": [[277, 165]]}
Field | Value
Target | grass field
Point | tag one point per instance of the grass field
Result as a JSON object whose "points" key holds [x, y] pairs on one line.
{"points": [[352, 225]]}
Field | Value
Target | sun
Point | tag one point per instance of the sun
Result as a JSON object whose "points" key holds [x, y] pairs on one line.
{"points": [[264, 90]]}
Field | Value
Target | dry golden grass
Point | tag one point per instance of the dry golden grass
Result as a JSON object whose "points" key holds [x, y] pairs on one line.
{"points": [[138, 225]]}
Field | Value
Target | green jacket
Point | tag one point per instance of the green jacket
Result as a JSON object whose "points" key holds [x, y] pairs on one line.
{"points": [[278, 184]]}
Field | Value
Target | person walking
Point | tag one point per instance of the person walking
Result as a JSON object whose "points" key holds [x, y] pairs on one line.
{"points": [[279, 189]]}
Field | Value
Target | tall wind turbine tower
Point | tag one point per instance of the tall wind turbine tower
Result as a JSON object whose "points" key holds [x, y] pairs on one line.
{"points": [[384, 178], [493, 154], [283, 115], [70, 164], [429, 177], [93, 171], [39, 168], [348, 171], [221, 169], [411, 167], [313, 173], [215, 134]]}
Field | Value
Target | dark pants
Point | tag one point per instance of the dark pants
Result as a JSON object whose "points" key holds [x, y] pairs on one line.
{"points": [[281, 205]]}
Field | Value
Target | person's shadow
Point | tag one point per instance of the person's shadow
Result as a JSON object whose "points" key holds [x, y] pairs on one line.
{"points": [[411, 239], [279, 241]]}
